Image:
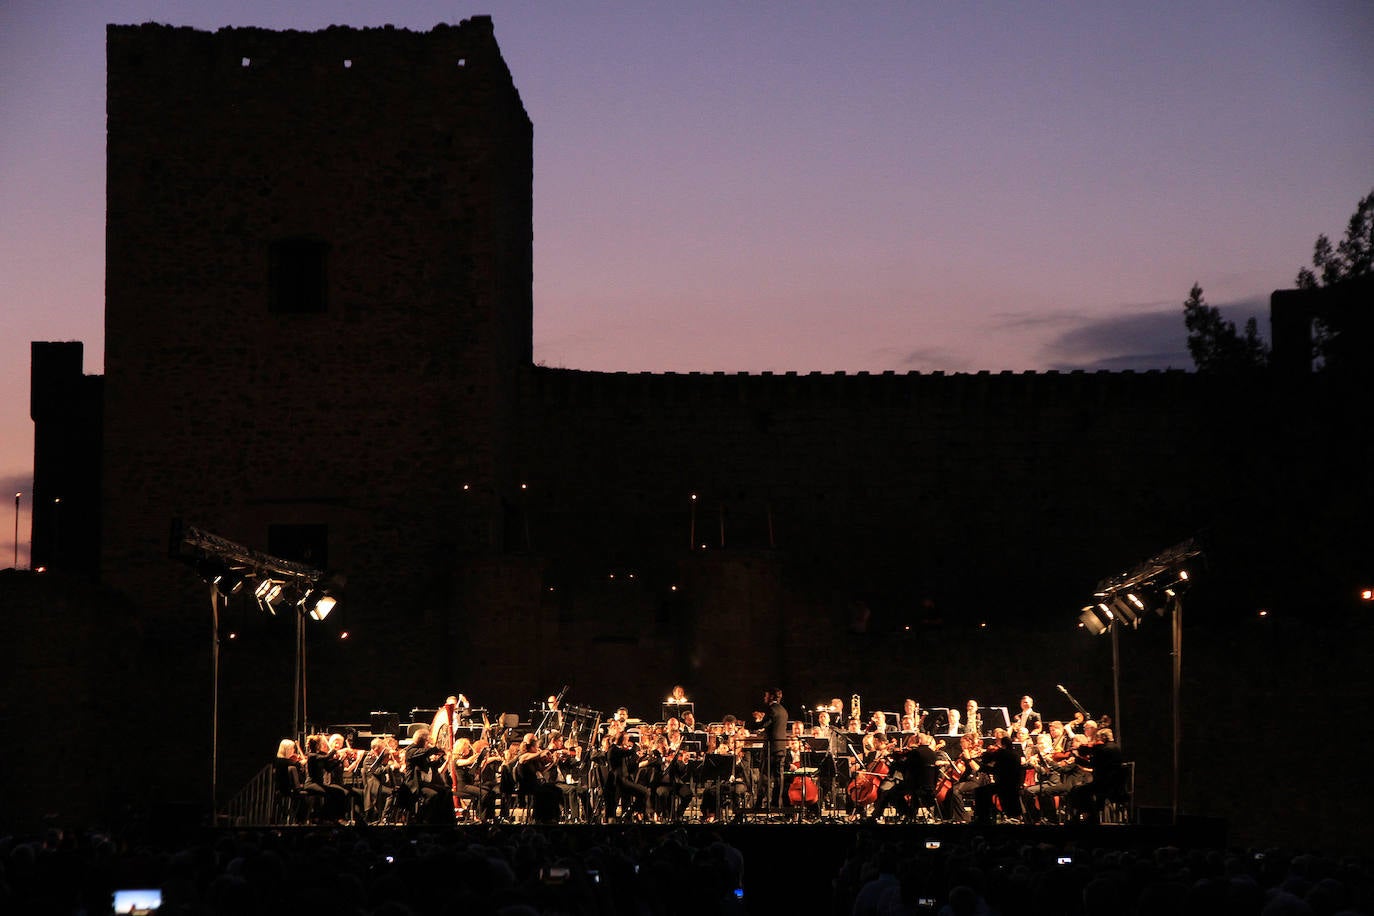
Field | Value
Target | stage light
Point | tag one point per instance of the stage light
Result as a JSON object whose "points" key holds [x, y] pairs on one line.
{"points": [[1367, 594], [268, 594], [229, 582], [1089, 620], [1125, 611], [317, 602], [322, 607], [1263, 612]]}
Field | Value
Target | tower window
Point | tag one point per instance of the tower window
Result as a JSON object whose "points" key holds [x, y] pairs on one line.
{"points": [[297, 278]]}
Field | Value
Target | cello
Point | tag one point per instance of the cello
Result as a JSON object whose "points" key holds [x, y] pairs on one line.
{"points": [[803, 788], [863, 788]]}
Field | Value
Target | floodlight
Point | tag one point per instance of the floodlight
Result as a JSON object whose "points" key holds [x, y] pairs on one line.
{"points": [[1090, 621], [322, 607], [1126, 608]]}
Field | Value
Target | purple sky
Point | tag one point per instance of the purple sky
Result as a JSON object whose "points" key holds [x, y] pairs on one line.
{"points": [[807, 186]]}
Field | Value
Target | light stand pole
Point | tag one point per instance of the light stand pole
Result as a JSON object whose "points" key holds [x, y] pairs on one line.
{"points": [[214, 703], [16, 529], [1116, 688], [299, 713], [1177, 653]]}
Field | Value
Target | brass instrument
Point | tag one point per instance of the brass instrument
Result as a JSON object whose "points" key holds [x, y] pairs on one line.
{"points": [[855, 708]]}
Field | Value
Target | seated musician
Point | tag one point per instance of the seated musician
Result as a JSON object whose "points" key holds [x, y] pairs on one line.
{"points": [[623, 760], [1004, 763], [343, 767], [800, 787], [288, 774], [717, 775], [333, 798], [467, 783], [377, 789], [674, 790], [968, 770], [571, 775], [423, 778], [1041, 791], [911, 769], [1108, 778], [531, 763]]}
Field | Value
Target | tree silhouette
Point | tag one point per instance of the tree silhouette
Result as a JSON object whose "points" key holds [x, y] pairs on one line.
{"points": [[1214, 343], [1353, 257]]}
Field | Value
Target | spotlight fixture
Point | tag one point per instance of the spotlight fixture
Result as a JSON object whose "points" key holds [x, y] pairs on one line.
{"points": [[1367, 594], [317, 603], [268, 594], [1127, 607], [229, 582], [1089, 620]]}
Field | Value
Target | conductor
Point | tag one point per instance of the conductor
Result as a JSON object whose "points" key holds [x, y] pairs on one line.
{"points": [[774, 729]]}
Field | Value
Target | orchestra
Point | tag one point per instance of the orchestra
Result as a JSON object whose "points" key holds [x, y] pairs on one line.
{"points": [[572, 764]]}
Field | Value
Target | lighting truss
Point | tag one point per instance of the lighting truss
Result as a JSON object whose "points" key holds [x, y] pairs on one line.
{"points": [[228, 565], [1165, 568]]}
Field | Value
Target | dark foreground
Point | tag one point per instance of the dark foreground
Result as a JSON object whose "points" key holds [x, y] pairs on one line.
{"points": [[697, 869]]}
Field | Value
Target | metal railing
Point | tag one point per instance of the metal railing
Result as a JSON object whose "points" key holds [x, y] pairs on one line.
{"points": [[252, 806]]}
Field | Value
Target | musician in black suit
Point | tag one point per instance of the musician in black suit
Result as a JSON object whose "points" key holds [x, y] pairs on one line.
{"points": [[773, 728], [425, 780], [1108, 778]]}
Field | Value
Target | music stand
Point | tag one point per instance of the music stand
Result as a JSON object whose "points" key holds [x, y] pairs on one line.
{"points": [[675, 710]]}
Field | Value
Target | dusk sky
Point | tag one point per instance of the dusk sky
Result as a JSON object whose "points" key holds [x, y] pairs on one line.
{"points": [[804, 186]]}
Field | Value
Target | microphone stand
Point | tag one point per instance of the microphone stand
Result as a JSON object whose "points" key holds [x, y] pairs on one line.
{"points": [[1076, 705], [550, 710]]}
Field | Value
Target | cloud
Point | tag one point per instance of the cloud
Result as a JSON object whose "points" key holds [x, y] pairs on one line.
{"points": [[1148, 337], [929, 359]]}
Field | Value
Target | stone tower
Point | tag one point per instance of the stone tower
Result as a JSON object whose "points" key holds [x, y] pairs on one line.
{"points": [[318, 309]]}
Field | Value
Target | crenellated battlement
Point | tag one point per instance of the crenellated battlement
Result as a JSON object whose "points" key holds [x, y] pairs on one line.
{"points": [[336, 59], [891, 389]]}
